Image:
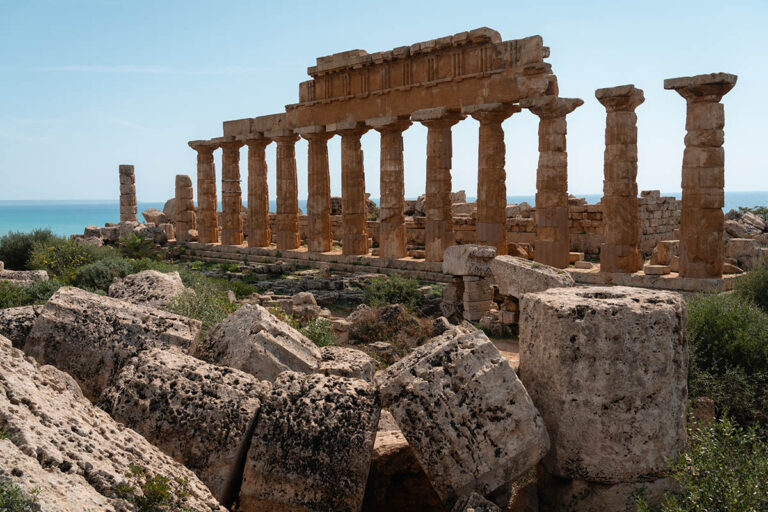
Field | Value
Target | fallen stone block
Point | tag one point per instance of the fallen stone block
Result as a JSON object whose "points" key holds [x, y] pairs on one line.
{"points": [[312, 445], [468, 260], [150, 288], [154, 216], [253, 340], [656, 270], [516, 276], [475, 503], [346, 362], [664, 251], [464, 412], [16, 323], [746, 252], [607, 367], [23, 277], [91, 336]]}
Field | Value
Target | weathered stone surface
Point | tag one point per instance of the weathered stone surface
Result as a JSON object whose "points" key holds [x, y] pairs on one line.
{"points": [[464, 412], [75, 440], [15, 323], [255, 341], [207, 222], [517, 276], [258, 192], [468, 260], [183, 210], [193, 411], [735, 229], [90, 336], [127, 194], [746, 252], [154, 216], [149, 288], [169, 209], [23, 277], [346, 362], [607, 368], [312, 445], [664, 251], [475, 503]]}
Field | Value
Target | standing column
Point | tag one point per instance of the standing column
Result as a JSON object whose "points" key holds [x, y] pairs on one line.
{"points": [[258, 191], [491, 176], [231, 194], [392, 234], [319, 235], [185, 209], [354, 213], [438, 230], [207, 220], [621, 216], [552, 238], [287, 189], [128, 206], [701, 219]]}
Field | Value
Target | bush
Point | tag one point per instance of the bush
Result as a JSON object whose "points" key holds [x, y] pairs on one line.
{"points": [[137, 247], [724, 469], [100, 274], [753, 286], [320, 331], [154, 493], [13, 295], [742, 397], [61, 258], [16, 247], [725, 331], [14, 499], [393, 290], [207, 303]]}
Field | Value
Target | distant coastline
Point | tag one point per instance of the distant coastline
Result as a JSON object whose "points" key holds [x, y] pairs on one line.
{"points": [[66, 217]]}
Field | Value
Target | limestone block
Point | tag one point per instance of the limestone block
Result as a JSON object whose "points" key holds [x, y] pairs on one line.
{"points": [[517, 276], [346, 362], [78, 444], [735, 229], [255, 341], [607, 367], [304, 298], [664, 251], [154, 216], [584, 265], [746, 252], [312, 445], [464, 412], [475, 503], [91, 336], [729, 268], [656, 270], [468, 260], [193, 411], [15, 323], [477, 289], [149, 288]]}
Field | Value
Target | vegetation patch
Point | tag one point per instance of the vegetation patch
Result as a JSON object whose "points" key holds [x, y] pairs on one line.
{"points": [[15, 499], [155, 493], [16, 247], [320, 331], [393, 290], [12, 295]]}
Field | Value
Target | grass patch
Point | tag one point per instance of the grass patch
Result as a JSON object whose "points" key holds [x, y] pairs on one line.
{"points": [[320, 331], [154, 493], [393, 289], [13, 295]]}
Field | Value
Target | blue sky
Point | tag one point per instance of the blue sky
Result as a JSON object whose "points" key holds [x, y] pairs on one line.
{"points": [[87, 85]]}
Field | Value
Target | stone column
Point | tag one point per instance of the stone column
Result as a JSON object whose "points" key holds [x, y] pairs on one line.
{"points": [[185, 209], [621, 214], [552, 238], [319, 237], [207, 219], [258, 191], [392, 234], [127, 194], [438, 230], [701, 220], [354, 213], [287, 189], [231, 194], [491, 176]]}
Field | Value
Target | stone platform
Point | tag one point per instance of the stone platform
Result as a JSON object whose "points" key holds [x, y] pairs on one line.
{"points": [[671, 281]]}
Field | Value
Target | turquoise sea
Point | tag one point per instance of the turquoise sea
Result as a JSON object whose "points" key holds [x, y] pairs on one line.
{"points": [[69, 217]]}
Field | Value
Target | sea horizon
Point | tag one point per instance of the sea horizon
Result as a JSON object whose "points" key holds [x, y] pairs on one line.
{"points": [[70, 216]]}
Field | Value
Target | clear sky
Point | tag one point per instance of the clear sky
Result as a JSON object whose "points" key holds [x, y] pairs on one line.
{"points": [[87, 85]]}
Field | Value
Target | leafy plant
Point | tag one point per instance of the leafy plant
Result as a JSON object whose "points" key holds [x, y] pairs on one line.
{"points": [[100, 274], [393, 290], [753, 286], [154, 493], [13, 295], [320, 331], [16, 247], [60, 258], [15, 499], [137, 247], [757, 210]]}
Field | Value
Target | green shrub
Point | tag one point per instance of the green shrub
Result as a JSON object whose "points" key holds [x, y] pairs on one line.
{"points": [[14, 499], [742, 397], [320, 331], [726, 331], [725, 468], [16, 247], [100, 274], [393, 290], [753, 286], [61, 258], [207, 303], [154, 493], [137, 247], [13, 295]]}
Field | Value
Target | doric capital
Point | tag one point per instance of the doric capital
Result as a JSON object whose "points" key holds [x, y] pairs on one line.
{"points": [[551, 107], [621, 98], [491, 113], [702, 88], [203, 146], [282, 136], [254, 139], [439, 117], [389, 124], [314, 132], [347, 128], [229, 143]]}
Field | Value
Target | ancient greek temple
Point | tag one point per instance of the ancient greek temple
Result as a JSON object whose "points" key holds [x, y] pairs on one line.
{"points": [[440, 83]]}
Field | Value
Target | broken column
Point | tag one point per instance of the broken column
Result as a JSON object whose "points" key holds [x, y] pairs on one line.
{"points": [[491, 175], [702, 221], [438, 230], [552, 238], [258, 191], [607, 369], [128, 206], [353, 210], [319, 236], [287, 189], [186, 220], [207, 204], [472, 264], [621, 214], [231, 194], [392, 233]]}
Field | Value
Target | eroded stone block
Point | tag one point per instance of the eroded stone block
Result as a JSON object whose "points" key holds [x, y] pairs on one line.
{"points": [[517, 276], [468, 260]]}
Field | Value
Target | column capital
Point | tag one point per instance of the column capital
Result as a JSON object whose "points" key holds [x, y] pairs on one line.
{"points": [[551, 107], [254, 139], [347, 128], [490, 112], [439, 117], [282, 136], [314, 132], [620, 98], [387, 124], [228, 143], [702, 88], [203, 146]]}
